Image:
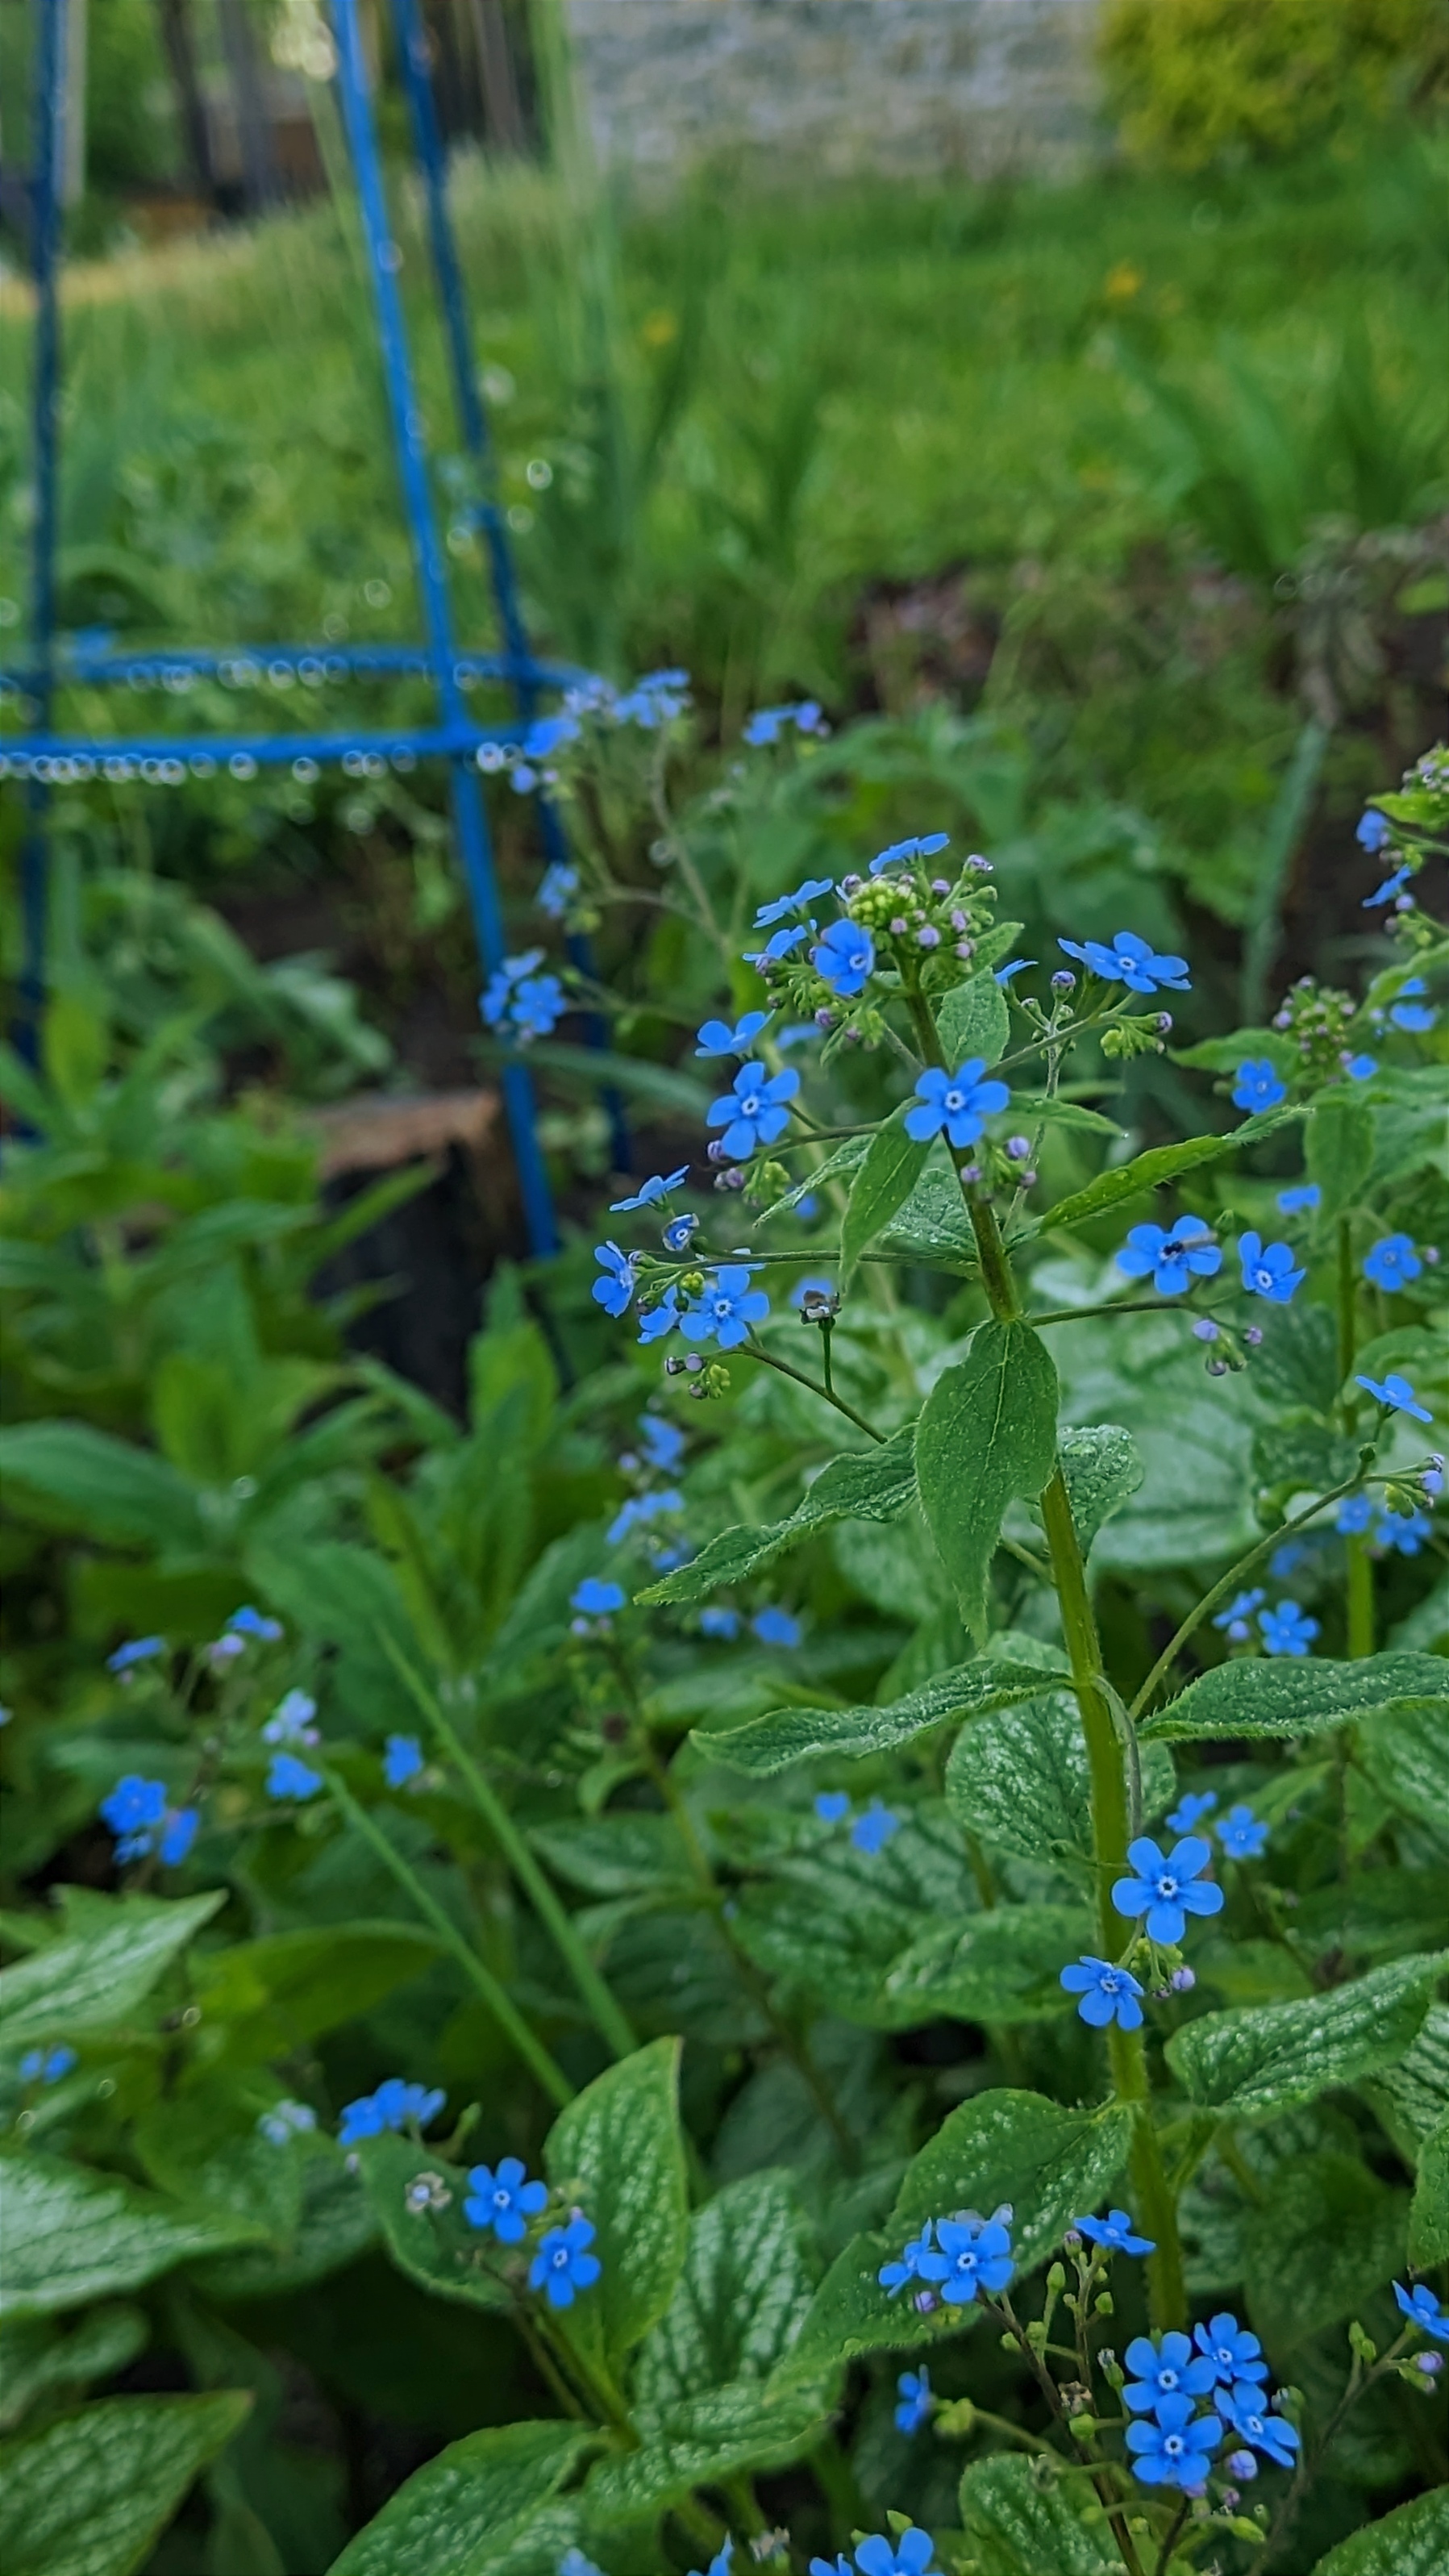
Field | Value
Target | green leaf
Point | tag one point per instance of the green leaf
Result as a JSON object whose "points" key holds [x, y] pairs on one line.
{"points": [[68, 1476], [748, 2278], [702, 2440], [593, 1065], [90, 2495], [617, 2151], [1325, 2237], [1052, 2165], [1019, 1780], [1013, 1671], [883, 1184], [204, 2146], [1413, 2540], [36, 2359], [1278, 1696], [435, 2246], [74, 1987], [334, 2226], [988, 1432], [1159, 1164], [1412, 2097], [974, 1020], [1404, 1748], [1016, 2525], [481, 2508], [1339, 1150], [1004, 1966], [864, 1485], [1250, 2064], [1302, 1457], [73, 2235], [1429, 2216], [273, 1994], [1103, 1469], [846, 1158], [1048, 1109]]}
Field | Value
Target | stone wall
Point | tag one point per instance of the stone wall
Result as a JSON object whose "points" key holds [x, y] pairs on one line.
{"points": [[980, 85]]}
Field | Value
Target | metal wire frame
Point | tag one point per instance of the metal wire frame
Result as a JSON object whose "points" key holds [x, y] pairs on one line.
{"points": [[44, 756]]}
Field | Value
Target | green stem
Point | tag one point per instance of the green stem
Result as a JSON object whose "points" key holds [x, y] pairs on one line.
{"points": [[1360, 1596], [607, 2014], [756, 1351], [535, 2056]]}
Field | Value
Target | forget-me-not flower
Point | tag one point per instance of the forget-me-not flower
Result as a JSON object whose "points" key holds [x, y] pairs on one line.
{"points": [[766, 725], [46, 2065], [1423, 2310], [1161, 2370], [1171, 1257], [977, 2257], [845, 957], [661, 1317], [661, 1440], [1233, 1620], [248, 1622], [291, 1720], [925, 846], [1167, 1887], [719, 2565], [650, 1192], [918, 2261], [138, 1815], [402, 1760], [596, 1599], [556, 885], [1172, 2448], [137, 1650], [1268, 1269], [1107, 1993], [1257, 1085], [872, 1831], [614, 1290], [909, 2555], [563, 2265], [1287, 1630], [1360, 1068], [1409, 1013], [504, 2200], [776, 1627], [1392, 886], [832, 1806], [390, 2108], [1396, 1393], [717, 1621], [1234, 2353], [1116, 2234], [781, 943], [286, 2120], [754, 1112], [913, 2389], [1404, 1532], [1300, 1200], [725, 1310], [716, 1037], [1191, 1808], [1273, 2435], [290, 1778], [1243, 1835], [959, 1102], [1393, 1262], [1372, 833], [640, 1509], [780, 904], [680, 1232], [1130, 961]]}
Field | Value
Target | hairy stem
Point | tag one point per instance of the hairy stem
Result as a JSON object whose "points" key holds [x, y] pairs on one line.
{"points": [[756, 1351]]}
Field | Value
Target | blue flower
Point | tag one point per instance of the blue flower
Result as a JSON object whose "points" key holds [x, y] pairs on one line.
{"points": [[845, 957], [1404, 1532], [138, 1650], [615, 1290], [1393, 1262], [804, 1288], [1234, 1619], [680, 1232], [1166, 1889], [1160, 2372], [248, 1622], [1273, 2435], [716, 1037], [1130, 961], [178, 1833], [908, 2555], [503, 2201], [1243, 1835], [291, 1720], [1268, 1269], [640, 1509], [914, 2390], [1354, 1515], [767, 723], [798, 1033], [556, 885], [837, 2566], [871, 1832], [978, 2257], [1388, 890], [1283, 1559], [392, 2106], [1408, 1011], [754, 1112], [900, 851], [289, 1778], [548, 734], [832, 1806], [719, 2565], [1117, 2234], [779, 944], [726, 1310], [1234, 2353], [1298, 1201], [402, 1760], [661, 1440], [775, 1627], [659, 1318], [1396, 1393], [1107, 1994], [783, 903], [1257, 1085], [595, 1598], [959, 1102], [650, 1192], [1172, 2449], [1372, 834], [1172, 1258], [717, 1621], [46, 2065], [563, 2264], [1191, 1809], [516, 998], [1018, 966], [918, 2261], [574, 2563], [1423, 2310], [135, 1806], [1287, 1630], [1359, 1068], [653, 701], [286, 2120]]}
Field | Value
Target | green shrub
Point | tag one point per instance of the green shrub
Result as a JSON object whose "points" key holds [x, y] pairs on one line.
{"points": [[1194, 79]]}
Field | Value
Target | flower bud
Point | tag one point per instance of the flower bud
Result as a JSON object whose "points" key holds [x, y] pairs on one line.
{"points": [[851, 885], [965, 949], [1018, 1147], [1063, 981], [940, 885], [1253, 1336], [1429, 2363], [1242, 2464], [929, 937], [714, 1151], [1183, 1981], [1164, 1024], [896, 926], [1217, 1368], [1205, 1330], [825, 1019]]}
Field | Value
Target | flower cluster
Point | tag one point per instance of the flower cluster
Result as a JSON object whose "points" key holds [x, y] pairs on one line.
{"points": [[47, 2065], [955, 2260], [286, 2120], [870, 1830], [502, 2200], [911, 2553], [395, 2105], [519, 1002], [141, 1816], [1219, 2368], [767, 725]]}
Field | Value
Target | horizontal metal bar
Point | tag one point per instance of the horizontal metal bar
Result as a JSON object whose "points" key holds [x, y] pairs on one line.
{"points": [[171, 758], [249, 665]]}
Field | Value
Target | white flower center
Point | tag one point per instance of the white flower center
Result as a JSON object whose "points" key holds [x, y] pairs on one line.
{"points": [[751, 1104], [955, 1100]]}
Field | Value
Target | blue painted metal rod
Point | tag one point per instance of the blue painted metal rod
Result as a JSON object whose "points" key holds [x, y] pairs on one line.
{"points": [[47, 140], [266, 750], [248, 665], [469, 814]]}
